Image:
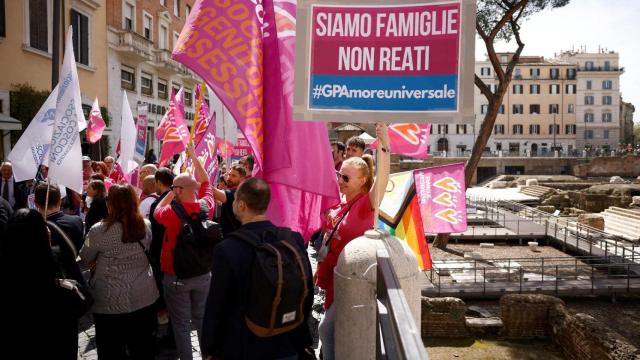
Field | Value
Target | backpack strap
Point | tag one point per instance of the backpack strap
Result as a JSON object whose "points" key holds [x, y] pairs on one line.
{"points": [[247, 236]]}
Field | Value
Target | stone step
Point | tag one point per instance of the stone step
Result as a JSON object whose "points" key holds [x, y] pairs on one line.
{"points": [[492, 322], [621, 226], [626, 212]]}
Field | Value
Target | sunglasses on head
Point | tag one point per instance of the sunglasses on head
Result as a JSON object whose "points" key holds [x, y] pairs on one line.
{"points": [[344, 177]]}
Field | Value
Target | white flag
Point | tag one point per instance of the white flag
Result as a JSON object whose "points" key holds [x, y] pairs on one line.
{"points": [[31, 148], [127, 137], [65, 153]]}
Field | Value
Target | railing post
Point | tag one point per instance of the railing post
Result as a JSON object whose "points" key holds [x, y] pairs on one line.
{"points": [[556, 279], [564, 245], [576, 270], [628, 276], [475, 271], [592, 277], [542, 270], [484, 280], [521, 276]]}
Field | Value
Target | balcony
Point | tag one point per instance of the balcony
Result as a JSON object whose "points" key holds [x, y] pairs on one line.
{"points": [[163, 61], [602, 68], [133, 44]]}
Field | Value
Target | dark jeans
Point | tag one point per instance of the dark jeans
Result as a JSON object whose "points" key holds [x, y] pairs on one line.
{"points": [[132, 333]]}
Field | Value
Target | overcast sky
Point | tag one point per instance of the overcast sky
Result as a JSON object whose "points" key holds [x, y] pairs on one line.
{"points": [[611, 24]]}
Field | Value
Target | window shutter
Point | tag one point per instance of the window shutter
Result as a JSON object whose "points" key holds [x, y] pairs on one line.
{"points": [[38, 36], [84, 40]]}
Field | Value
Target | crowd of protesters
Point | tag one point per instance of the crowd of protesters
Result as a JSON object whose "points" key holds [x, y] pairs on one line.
{"points": [[117, 240]]}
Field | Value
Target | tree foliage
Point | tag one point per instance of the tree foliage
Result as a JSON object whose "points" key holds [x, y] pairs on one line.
{"points": [[24, 104], [498, 20]]}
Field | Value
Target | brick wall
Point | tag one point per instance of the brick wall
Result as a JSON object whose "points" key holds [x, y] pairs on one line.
{"points": [[443, 318], [526, 316]]}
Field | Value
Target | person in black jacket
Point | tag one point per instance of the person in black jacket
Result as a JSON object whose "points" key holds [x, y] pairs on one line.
{"points": [[225, 334], [97, 193], [71, 224]]}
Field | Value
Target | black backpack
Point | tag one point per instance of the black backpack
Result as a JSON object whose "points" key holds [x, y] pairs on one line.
{"points": [[278, 283], [194, 246]]}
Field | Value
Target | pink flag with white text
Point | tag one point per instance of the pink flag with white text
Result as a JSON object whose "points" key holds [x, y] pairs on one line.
{"points": [[441, 197], [293, 157], [96, 125], [175, 133], [202, 118], [408, 139]]}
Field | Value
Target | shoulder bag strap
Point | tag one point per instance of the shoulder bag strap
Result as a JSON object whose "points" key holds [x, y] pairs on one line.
{"points": [[335, 228], [146, 253], [180, 211], [64, 237]]}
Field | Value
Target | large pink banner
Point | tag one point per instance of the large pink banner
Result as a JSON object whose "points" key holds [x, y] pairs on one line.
{"points": [[222, 43], [408, 140], [442, 200], [176, 133]]}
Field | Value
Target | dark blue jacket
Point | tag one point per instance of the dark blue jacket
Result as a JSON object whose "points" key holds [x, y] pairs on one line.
{"points": [[225, 334]]}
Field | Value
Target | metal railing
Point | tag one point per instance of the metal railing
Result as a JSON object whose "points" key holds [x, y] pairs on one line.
{"points": [[398, 337], [568, 232], [529, 273]]}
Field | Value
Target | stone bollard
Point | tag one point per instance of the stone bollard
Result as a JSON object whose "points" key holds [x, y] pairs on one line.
{"points": [[355, 291]]}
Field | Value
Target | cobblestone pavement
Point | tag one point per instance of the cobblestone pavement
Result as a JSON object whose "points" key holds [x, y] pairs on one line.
{"points": [[87, 334]]}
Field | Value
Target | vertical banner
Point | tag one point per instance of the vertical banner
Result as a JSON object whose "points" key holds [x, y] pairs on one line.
{"points": [[141, 134], [390, 63], [442, 200]]}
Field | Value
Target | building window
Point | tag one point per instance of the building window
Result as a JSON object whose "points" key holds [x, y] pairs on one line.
{"points": [[554, 129], [128, 78], [176, 36], [129, 16], [588, 84], [162, 89], [518, 108], [570, 108], [554, 109], [605, 134], [176, 8], [607, 84], [535, 73], [588, 117], [498, 129], [146, 83], [3, 30], [588, 134], [554, 73], [570, 89], [606, 117], [485, 71], [517, 74], [483, 108], [517, 89], [606, 100], [162, 41], [534, 129], [571, 74], [461, 129], [147, 26], [504, 59], [570, 129], [188, 98], [38, 25], [80, 25], [501, 111], [588, 65], [176, 87], [534, 109], [588, 100], [443, 129], [534, 88], [517, 129], [554, 89], [187, 12], [607, 65]]}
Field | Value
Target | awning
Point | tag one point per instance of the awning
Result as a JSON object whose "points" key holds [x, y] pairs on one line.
{"points": [[9, 123]]}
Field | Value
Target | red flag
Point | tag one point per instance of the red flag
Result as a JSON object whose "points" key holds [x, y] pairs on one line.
{"points": [[96, 125]]}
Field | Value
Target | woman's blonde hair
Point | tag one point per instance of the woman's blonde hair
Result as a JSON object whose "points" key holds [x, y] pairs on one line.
{"points": [[364, 164]]}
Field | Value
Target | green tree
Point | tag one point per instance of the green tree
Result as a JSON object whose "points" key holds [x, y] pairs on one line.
{"points": [[25, 103], [498, 20]]}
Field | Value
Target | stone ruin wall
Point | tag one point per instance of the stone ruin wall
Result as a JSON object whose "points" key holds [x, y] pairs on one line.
{"points": [[527, 316]]}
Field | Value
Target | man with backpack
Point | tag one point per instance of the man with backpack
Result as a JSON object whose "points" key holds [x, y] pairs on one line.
{"points": [[243, 319], [186, 254]]}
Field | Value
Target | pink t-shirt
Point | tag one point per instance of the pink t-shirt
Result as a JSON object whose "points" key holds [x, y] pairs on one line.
{"points": [[358, 220]]}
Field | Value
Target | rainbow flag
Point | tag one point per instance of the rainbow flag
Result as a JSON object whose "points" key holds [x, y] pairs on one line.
{"points": [[400, 215]]}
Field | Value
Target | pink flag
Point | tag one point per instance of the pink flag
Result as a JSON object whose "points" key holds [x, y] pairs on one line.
{"points": [[441, 196], [202, 119], [293, 157], [237, 79], [175, 131], [96, 125], [408, 139]]}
